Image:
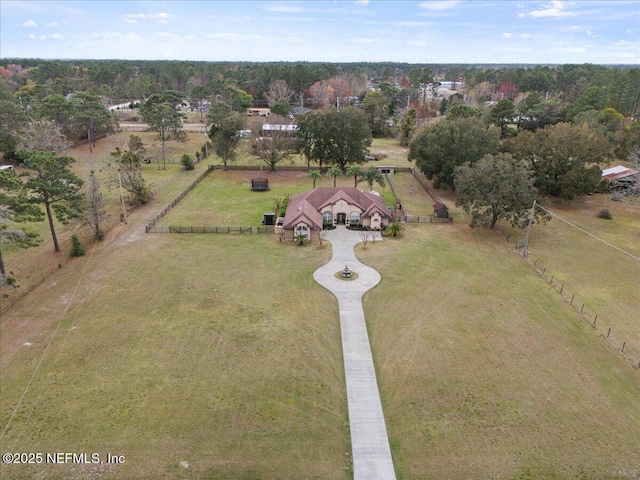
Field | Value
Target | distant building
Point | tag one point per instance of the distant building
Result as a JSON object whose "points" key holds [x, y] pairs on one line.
{"points": [[506, 90], [257, 111], [267, 128], [619, 177]]}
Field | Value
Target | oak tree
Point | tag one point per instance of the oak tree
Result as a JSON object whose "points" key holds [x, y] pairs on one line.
{"points": [[495, 187]]}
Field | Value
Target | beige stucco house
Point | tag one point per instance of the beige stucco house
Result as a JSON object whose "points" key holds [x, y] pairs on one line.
{"points": [[308, 211]]}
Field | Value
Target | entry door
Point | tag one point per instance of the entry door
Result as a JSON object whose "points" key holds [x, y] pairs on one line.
{"points": [[341, 218]]}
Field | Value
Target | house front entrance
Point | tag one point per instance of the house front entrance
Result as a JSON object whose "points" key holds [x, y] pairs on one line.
{"points": [[341, 218]]}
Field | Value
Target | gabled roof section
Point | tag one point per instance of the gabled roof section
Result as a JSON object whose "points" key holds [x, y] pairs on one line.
{"points": [[308, 206]]}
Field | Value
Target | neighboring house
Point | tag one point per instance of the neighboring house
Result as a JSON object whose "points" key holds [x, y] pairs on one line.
{"points": [[307, 212], [299, 111], [261, 112], [506, 90], [267, 128], [619, 177], [440, 210]]}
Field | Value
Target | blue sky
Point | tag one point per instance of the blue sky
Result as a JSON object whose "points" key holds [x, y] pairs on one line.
{"points": [[450, 31]]}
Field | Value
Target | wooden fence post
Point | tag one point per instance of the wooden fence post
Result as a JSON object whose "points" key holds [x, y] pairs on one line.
{"points": [[608, 333]]}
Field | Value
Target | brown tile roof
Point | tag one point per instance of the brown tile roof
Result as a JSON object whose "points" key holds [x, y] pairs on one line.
{"points": [[308, 206]]}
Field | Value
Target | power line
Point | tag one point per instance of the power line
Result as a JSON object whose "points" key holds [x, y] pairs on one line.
{"points": [[588, 233]]}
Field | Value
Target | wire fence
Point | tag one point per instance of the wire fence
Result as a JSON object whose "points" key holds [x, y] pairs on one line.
{"points": [[600, 323], [422, 180], [166, 210], [190, 229], [8, 300]]}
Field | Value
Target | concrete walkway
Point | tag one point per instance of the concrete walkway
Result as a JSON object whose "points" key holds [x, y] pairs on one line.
{"points": [[369, 442]]}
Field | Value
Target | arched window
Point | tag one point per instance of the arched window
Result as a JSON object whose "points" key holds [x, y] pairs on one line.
{"points": [[327, 217], [354, 218]]}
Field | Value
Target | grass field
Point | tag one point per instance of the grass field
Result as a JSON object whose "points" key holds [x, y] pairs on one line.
{"points": [[485, 372], [236, 205], [217, 356], [603, 278], [181, 349]]}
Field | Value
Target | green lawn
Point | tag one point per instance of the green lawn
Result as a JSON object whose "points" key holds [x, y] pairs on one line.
{"points": [[225, 198], [601, 277]]}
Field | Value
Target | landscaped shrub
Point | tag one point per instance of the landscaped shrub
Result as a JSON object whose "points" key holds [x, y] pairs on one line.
{"points": [[77, 250], [187, 162], [358, 228], [606, 214]]}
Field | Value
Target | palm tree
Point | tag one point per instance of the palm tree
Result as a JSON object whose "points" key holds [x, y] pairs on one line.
{"points": [[373, 175], [334, 172], [395, 229], [356, 172], [314, 175]]}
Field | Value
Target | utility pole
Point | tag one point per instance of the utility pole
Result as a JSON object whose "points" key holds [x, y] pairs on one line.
{"points": [[529, 223], [124, 209]]}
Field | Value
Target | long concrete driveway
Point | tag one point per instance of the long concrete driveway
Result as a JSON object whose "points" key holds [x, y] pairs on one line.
{"points": [[369, 441]]}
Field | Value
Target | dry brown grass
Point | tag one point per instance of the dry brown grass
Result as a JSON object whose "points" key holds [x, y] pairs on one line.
{"points": [[221, 351], [218, 351]]}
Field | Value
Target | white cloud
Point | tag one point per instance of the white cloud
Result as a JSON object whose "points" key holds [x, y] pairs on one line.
{"points": [[29, 24], [417, 43], [362, 2], [439, 4], [364, 40], [190, 38], [411, 23], [53, 25], [166, 36], [507, 35], [159, 18], [55, 36], [569, 49], [129, 37], [555, 8], [525, 35], [234, 37]]}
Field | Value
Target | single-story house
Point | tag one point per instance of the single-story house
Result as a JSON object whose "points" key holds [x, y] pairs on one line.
{"points": [[261, 112], [309, 211], [267, 128]]}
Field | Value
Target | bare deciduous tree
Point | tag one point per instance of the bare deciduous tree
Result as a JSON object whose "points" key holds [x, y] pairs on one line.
{"points": [[634, 159], [322, 234], [42, 136], [278, 91], [375, 235], [94, 212], [364, 235]]}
